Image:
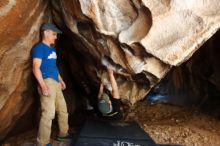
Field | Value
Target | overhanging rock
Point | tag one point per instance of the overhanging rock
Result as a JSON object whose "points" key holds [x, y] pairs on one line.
{"points": [[143, 39]]}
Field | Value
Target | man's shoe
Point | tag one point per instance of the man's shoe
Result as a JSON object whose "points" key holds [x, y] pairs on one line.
{"points": [[63, 138]]}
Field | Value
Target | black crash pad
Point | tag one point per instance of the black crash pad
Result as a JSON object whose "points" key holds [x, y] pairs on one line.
{"points": [[106, 133]]}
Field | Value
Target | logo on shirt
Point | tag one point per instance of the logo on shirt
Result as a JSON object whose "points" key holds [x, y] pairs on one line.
{"points": [[53, 55]]}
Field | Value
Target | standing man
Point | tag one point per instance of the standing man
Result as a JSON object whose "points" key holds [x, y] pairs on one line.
{"points": [[50, 86]]}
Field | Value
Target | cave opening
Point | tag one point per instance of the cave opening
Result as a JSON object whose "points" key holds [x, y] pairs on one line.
{"points": [[77, 67]]}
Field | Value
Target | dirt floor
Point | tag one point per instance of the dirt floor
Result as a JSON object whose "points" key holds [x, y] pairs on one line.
{"points": [[165, 123], [169, 124]]}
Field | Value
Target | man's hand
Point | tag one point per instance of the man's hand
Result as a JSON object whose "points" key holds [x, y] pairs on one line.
{"points": [[45, 90], [63, 85]]}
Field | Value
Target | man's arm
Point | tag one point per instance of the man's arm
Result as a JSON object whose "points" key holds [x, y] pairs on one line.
{"points": [[39, 77], [101, 88], [115, 92]]}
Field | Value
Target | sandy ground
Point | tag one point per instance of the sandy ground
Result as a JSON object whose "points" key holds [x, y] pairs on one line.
{"points": [[165, 123], [169, 124]]}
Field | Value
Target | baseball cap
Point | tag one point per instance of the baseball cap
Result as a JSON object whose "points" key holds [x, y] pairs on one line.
{"points": [[103, 104], [50, 26]]}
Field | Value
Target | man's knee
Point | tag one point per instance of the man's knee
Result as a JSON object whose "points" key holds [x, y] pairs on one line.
{"points": [[62, 107], [63, 114], [48, 114]]}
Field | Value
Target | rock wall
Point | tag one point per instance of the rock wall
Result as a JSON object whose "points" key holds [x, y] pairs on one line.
{"points": [[20, 21]]}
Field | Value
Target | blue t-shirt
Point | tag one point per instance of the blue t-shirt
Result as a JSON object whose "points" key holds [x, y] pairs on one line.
{"points": [[48, 65]]}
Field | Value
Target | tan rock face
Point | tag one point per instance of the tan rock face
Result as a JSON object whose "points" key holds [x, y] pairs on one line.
{"points": [[181, 29], [110, 17], [142, 40], [20, 21]]}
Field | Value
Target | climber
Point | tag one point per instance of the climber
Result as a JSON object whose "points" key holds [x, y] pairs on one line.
{"points": [[50, 86], [110, 107]]}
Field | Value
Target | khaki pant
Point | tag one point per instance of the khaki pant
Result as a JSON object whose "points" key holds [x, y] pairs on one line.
{"points": [[50, 104]]}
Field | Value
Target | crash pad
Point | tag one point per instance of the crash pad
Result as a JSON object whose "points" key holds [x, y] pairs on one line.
{"points": [[107, 133]]}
